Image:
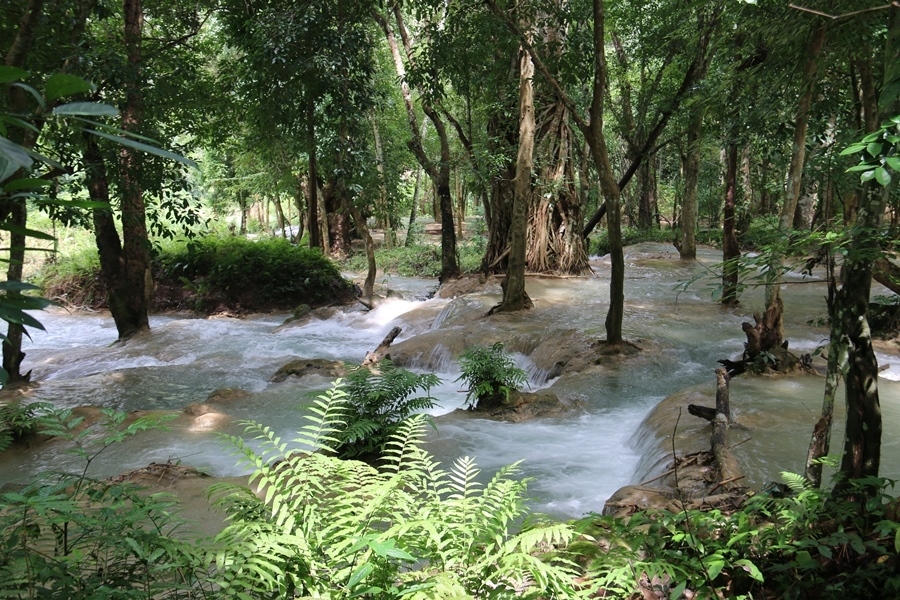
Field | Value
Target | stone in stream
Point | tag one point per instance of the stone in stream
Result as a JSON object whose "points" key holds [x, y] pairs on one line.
{"points": [[310, 366]]}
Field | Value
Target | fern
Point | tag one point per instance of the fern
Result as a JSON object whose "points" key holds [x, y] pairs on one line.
{"points": [[323, 526]]}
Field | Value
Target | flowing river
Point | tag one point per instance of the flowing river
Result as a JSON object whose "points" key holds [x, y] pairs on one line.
{"points": [[576, 462]]}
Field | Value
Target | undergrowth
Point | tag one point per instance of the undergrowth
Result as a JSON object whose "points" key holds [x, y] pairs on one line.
{"points": [[312, 524]]}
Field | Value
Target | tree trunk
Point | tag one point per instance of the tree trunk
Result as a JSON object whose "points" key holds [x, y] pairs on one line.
{"points": [[440, 173], [514, 295], [862, 437], [12, 346], [688, 247], [731, 252], [315, 236], [555, 244], [798, 157], [138, 285], [15, 210], [820, 441]]}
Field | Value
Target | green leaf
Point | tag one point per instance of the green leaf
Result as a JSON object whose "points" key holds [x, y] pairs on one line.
{"points": [[17, 286], [893, 162], [87, 109], [859, 167], [361, 573], [62, 84], [874, 149], [34, 93], [144, 147], [750, 568], [897, 540], [867, 175], [678, 590], [715, 566], [26, 184], [15, 154], [26, 232], [10, 74], [882, 176], [853, 149]]}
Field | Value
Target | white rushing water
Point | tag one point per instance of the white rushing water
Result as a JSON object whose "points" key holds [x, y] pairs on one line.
{"points": [[576, 462]]}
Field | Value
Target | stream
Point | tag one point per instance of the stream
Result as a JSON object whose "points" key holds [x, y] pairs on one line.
{"points": [[576, 462]]}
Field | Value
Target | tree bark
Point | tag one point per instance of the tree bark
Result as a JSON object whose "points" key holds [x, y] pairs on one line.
{"points": [[315, 235], [514, 295], [687, 249], [862, 437], [731, 252], [138, 284]]}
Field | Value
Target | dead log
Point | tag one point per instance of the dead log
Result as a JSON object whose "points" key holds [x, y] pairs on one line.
{"points": [[704, 412], [381, 352], [723, 404]]}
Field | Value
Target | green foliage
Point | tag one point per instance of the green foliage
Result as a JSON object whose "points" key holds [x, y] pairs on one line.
{"points": [[630, 235], [69, 536], [378, 402], [409, 261], [490, 374], [325, 527], [878, 153], [809, 544], [269, 271], [19, 421]]}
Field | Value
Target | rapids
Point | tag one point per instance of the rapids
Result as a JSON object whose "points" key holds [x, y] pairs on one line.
{"points": [[575, 462]]}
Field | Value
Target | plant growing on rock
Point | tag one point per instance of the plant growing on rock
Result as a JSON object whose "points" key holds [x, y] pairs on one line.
{"points": [[491, 376], [378, 402]]}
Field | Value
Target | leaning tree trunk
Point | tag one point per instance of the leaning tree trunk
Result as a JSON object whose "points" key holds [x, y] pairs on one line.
{"points": [[798, 157], [315, 236]]}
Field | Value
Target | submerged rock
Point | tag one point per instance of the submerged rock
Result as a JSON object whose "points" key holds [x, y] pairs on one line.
{"points": [[227, 395], [310, 366]]}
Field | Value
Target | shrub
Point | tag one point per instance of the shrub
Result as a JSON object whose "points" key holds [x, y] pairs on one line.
{"points": [[377, 403], [19, 421], [69, 536], [334, 528], [630, 235], [269, 273], [491, 375]]}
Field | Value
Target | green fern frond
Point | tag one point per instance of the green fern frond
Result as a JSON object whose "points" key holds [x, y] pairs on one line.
{"points": [[796, 483]]}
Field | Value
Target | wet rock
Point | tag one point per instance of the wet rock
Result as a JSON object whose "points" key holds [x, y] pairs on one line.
{"points": [[432, 350], [466, 285], [227, 395], [196, 409], [310, 366], [525, 406], [634, 498]]}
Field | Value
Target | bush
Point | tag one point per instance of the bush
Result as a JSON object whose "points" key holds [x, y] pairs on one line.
{"points": [[68, 536], [630, 235], [331, 528], [491, 375], [378, 403], [269, 273], [411, 261]]}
